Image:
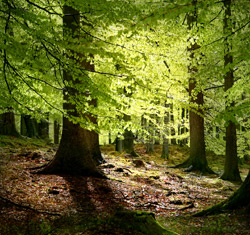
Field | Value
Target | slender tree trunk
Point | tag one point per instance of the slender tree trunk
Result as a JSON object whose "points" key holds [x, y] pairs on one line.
{"points": [[78, 147], [150, 141], [197, 159], [110, 138], [7, 124], [150, 146], [182, 129], [172, 130], [231, 170], [165, 144]]}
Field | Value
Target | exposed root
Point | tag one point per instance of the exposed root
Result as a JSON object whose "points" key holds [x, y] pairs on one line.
{"points": [[190, 166]]}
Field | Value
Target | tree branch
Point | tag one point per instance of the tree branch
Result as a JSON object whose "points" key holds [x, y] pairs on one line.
{"points": [[43, 8]]}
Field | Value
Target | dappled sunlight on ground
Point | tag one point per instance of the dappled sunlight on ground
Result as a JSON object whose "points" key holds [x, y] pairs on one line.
{"points": [[145, 183]]}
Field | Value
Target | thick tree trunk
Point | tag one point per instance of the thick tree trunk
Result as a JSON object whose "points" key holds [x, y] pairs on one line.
{"points": [[7, 124], [231, 170], [75, 154], [79, 148], [197, 160], [56, 132]]}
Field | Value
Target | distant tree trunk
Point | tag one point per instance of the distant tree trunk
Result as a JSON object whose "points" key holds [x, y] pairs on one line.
{"points": [[29, 126], [150, 146], [7, 124], [110, 138], [239, 200], [56, 132], [182, 129], [165, 144], [172, 130], [231, 170], [157, 132], [165, 148], [128, 142], [197, 159], [119, 145], [150, 141], [43, 128], [78, 147]]}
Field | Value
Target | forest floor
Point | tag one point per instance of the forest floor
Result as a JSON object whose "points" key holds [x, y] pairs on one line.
{"points": [[61, 204]]}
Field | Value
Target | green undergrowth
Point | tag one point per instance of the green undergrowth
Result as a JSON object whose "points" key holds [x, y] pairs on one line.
{"points": [[177, 154], [218, 224], [9, 141], [121, 222]]}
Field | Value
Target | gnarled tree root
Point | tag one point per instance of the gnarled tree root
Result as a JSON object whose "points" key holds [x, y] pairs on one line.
{"points": [[191, 165]]}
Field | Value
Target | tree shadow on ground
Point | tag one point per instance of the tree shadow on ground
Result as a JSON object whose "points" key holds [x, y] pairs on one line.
{"points": [[92, 195]]}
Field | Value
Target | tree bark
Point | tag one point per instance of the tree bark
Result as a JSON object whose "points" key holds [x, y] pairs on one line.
{"points": [[165, 144], [119, 145], [56, 132], [231, 170], [197, 160], [43, 128], [29, 126], [128, 142], [150, 140], [78, 147], [7, 124]]}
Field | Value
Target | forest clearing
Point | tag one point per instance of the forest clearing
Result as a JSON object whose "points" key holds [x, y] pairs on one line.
{"points": [[63, 204]]}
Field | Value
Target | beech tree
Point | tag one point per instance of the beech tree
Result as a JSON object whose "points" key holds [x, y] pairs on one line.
{"points": [[78, 147], [231, 170], [197, 159], [149, 41], [7, 124]]}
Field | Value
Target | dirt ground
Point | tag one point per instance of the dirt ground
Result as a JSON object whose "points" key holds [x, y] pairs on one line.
{"points": [[60, 204]]}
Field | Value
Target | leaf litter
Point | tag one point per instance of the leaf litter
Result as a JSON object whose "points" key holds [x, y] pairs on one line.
{"points": [[146, 183]]}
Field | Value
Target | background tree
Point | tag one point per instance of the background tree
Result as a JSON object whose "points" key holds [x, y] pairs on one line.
{"points": [[197, 159], [7, 124], [231, 170]]}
